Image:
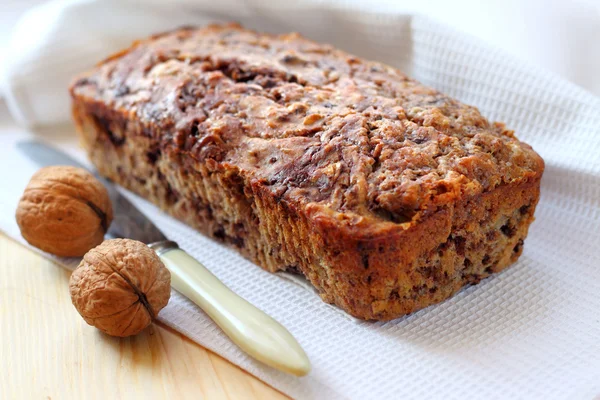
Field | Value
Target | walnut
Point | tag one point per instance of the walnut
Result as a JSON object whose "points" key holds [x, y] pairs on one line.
{"points": [[120, 286], [64, 211]]}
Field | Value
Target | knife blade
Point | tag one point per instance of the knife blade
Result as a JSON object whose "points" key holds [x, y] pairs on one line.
{"points": [[256, 333]]}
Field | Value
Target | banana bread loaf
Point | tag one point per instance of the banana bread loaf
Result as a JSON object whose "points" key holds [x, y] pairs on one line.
{"points": [[387, 195]]}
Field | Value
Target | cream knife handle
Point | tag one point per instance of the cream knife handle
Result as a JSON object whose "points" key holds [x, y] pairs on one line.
{"points": [[251, 329]]}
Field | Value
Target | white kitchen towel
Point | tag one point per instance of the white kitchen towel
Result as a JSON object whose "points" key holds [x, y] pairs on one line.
{"points": [[530, 332]]}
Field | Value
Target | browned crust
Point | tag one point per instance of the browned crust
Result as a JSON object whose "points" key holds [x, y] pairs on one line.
{"points": [[380, 276], [375, 251]]}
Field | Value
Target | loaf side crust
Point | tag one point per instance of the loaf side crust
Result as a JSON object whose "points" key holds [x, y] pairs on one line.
{"points": [[389, 199]]}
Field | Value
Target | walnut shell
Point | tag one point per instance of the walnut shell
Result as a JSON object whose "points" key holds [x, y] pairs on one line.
{"points": [[64, 211], [120, 286]]}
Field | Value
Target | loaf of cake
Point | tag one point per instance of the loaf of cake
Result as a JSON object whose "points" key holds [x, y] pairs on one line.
{"points": [[387, 195]]}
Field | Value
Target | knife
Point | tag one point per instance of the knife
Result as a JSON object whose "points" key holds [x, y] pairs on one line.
{"points": [[256, 333]]}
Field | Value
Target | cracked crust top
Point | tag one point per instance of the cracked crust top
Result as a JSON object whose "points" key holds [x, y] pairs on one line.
{"points": [[355, 141]]}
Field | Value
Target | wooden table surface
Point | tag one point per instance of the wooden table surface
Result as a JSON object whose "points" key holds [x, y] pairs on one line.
{"points": [[47, 351]]}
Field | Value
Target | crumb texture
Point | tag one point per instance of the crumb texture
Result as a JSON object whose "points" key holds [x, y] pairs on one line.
{"points": [[277, 144]]}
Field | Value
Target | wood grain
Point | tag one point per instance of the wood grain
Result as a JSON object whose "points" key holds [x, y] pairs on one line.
{"points": [[47, 351]]}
